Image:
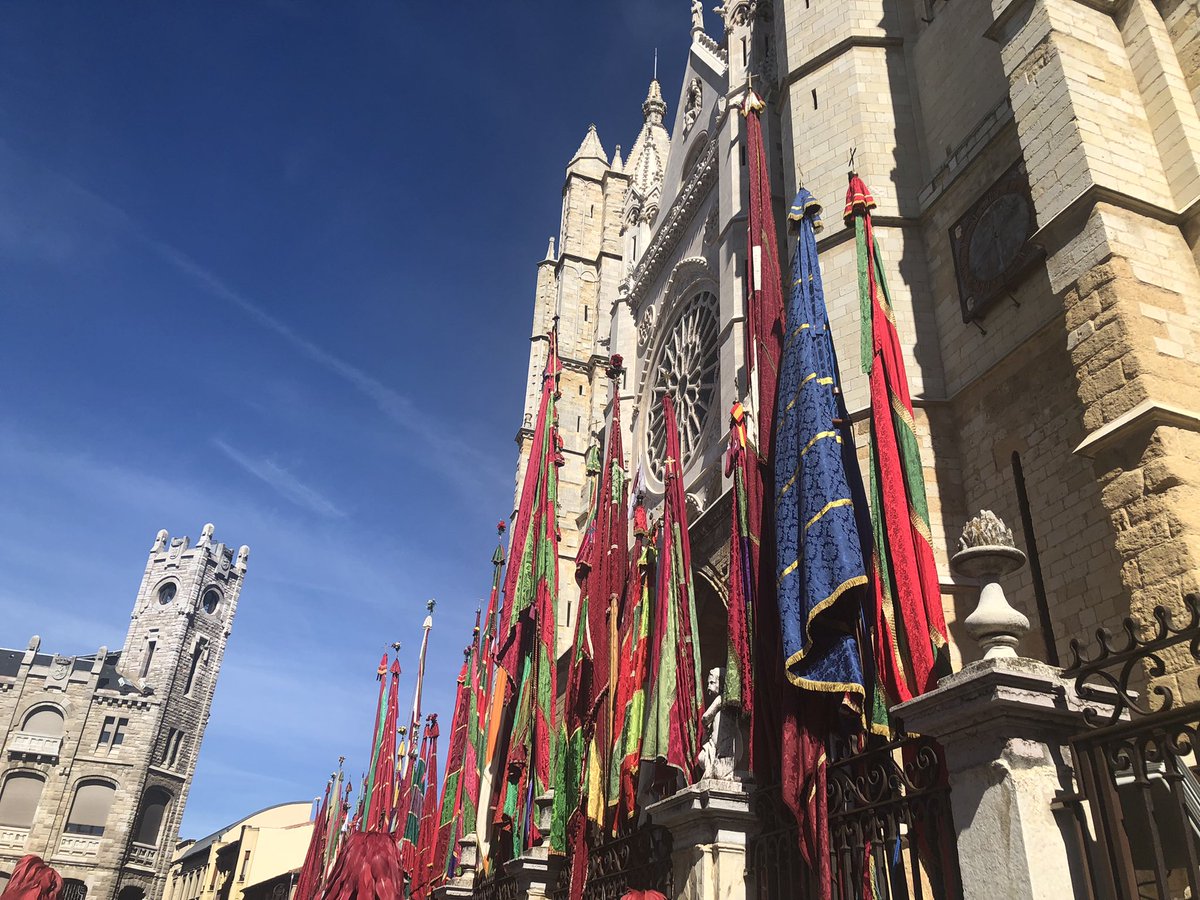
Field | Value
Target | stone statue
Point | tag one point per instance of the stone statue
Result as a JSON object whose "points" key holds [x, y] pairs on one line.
{"points": [[695, 101], [206, 535], [723, 747], [697, 15]]}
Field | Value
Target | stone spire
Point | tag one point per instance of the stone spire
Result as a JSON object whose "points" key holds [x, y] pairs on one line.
{"points": [[647, 161], [591, 148], [654, 108]]}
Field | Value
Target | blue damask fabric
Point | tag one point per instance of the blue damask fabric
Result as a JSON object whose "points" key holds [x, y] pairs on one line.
{"points": [[821, 569]]}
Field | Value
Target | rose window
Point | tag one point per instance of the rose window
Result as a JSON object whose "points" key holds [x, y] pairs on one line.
{"points": [[687, 369]]}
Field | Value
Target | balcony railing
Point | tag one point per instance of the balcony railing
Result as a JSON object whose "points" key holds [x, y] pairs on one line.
{"points": [[13, 838], [143, 855], [24, 743], [79, 846]]}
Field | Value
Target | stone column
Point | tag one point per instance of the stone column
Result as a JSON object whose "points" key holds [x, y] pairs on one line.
{"points": [[536, 871], [711, 824], [462, 886]]}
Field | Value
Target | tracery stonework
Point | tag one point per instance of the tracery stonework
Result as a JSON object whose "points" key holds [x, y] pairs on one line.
{"points": [[687, 368], [646, 326]]}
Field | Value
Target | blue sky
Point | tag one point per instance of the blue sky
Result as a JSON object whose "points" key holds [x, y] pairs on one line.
{"points": [[270, 264]]}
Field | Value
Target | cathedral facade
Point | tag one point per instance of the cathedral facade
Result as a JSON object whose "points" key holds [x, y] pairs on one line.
{"points": [[99, 751], [1036, 165]]}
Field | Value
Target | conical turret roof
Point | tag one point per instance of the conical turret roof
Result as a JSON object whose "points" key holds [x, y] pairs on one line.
{"points": [[591, 148]]}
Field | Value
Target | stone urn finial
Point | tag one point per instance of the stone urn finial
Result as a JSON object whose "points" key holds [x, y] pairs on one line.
{"points": [[544, 807], [987, 551]]}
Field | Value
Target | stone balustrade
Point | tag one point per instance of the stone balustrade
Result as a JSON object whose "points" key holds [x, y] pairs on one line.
{"points": [[79, 847], [25, 743], [13, 838], [143, 855]]}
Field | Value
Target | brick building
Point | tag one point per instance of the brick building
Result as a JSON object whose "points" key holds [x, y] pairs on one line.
{"points": [[99, 751]]}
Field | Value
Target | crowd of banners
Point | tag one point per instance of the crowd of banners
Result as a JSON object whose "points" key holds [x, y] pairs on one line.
{"points": [[397, 801], [834, 611]]}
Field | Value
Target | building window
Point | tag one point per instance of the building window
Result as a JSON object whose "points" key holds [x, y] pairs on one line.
{"points": [[1045, 620], [166, 593], [73, 889], [171, 747], [686, 368], [198, 653], [112, 734], [19, 799], [148, 656], [211, 600], [154, 811], [89, 812], [45, 721], [245, 865]]}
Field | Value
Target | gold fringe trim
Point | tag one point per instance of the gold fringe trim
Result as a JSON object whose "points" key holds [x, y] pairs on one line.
{"points": [[800, 654]]}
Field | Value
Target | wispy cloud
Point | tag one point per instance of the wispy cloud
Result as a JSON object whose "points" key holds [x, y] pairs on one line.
{"points": [[282, 482], [465, 466]]}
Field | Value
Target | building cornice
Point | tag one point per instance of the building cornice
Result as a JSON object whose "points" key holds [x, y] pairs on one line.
{"points": [[825, 57], [995, 31]]}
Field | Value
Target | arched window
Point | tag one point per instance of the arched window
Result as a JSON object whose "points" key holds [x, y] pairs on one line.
{"points": [[154, 810], [89, 812], [131, 892], [19, 799], [45, 721], [686, 367], [73, 889]]}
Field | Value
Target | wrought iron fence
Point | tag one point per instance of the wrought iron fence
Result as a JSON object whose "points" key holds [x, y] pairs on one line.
{"points": [[496, 885], [640, 860], [891, 834], [889, 827], [774, 866], [1137, 809]]}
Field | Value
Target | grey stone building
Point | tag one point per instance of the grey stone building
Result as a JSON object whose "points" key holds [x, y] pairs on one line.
{"points": [[99, 751]]}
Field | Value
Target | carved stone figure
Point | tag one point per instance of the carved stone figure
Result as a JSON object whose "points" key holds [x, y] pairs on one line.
{"points": [[697, 15], [243, 557], [723, 746], [695, 99], [206, 535], [160, 541]]}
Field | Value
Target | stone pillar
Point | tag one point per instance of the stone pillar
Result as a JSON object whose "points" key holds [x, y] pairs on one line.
{"points": [[536, 871], [711, 824], [462, 885], [1004, 724]]}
